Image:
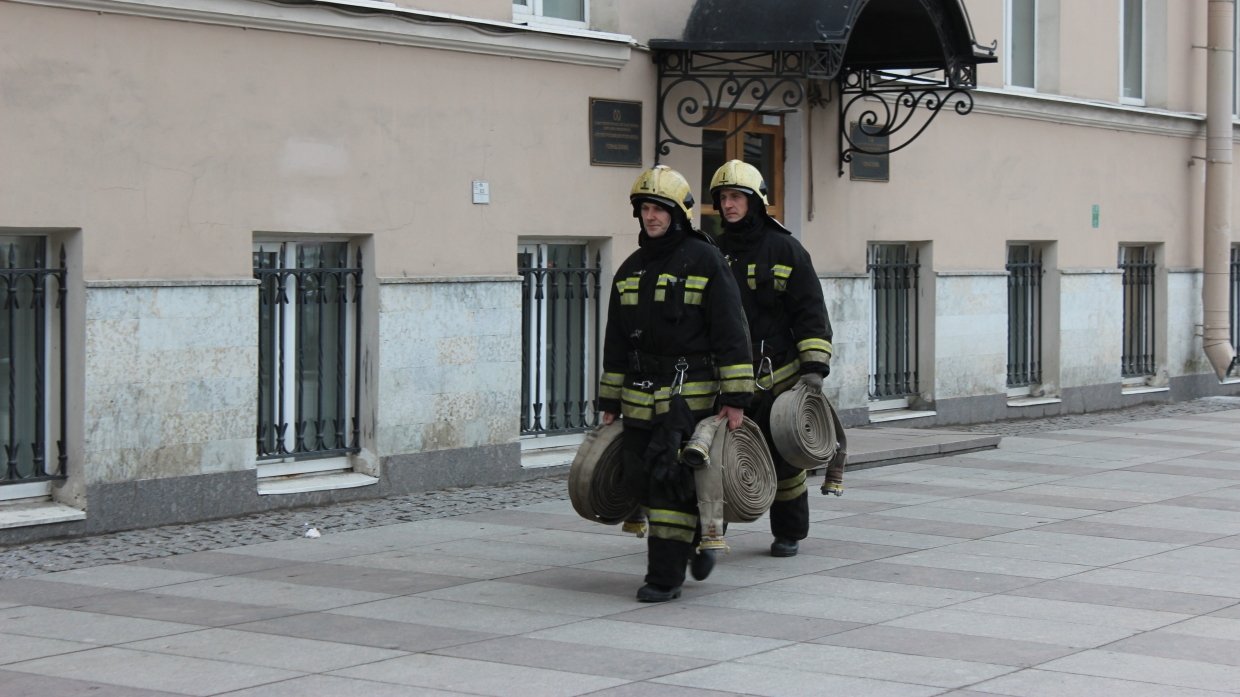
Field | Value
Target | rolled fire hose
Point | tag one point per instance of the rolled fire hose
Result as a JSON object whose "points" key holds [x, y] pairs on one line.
{"points": [[736, 483], [596, 477], [807, 432]]}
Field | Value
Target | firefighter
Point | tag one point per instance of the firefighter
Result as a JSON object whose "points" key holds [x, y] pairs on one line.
{"points": [[675, 351], [788, 324]]}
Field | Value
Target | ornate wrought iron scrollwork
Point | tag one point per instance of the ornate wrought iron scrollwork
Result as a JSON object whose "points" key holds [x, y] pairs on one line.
{"points": [[884, 105], [704, 85]]}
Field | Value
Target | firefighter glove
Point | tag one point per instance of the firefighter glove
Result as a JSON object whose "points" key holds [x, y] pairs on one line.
{"points": [[811, 381]]}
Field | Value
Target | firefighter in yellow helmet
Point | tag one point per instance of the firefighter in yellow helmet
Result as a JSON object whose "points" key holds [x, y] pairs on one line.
{"points": [[675, 351], [788, 324]]}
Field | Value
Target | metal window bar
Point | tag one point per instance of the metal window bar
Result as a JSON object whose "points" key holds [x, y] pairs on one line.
{"points": [[894, 271], [1024, 364], [25, 339], [560, 306], [1138, 266], [1234, 370], [310, 319]]}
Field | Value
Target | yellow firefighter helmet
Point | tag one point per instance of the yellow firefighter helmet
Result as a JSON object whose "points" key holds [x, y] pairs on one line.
{"points": [[741, 176], [665, 186]]}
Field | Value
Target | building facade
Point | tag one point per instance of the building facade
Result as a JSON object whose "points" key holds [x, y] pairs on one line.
{"points": [[260, 255]]}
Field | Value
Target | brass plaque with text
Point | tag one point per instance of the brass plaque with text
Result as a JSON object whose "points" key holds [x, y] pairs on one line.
{"points": [[615, 133]]}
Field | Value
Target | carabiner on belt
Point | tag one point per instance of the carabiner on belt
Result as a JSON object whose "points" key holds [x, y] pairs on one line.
{"points": [[764, 368], [678, 382]]}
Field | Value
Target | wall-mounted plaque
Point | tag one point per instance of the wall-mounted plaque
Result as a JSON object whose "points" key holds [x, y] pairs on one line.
{"points": [[615, 133], [864, 165]]}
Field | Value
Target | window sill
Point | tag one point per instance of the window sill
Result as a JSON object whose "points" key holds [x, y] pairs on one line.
{"points": [[20, 515], [1143, 389], [316, 482], [561, 456], [1032, 401], [898, 415], [387, 23]]}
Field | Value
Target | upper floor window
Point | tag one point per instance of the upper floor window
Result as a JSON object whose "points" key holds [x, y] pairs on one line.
{"points": [[573, 13], [1022, 37], [1132, 52]]}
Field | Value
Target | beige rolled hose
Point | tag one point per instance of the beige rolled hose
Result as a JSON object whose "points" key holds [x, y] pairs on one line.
{"points": [[749, 481], [807, 433], [596, 477]]}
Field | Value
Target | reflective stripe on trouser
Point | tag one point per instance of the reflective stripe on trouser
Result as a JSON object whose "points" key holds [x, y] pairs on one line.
{"points": [[672, 525], [788, 489]]}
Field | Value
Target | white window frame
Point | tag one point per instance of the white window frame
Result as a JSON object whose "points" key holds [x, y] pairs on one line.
{"points": [[532, 13], [1009, 16], [290, 466], [1136, 101]]}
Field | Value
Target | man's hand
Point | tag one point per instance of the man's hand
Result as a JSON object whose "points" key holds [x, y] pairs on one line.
{"points": [[811, 381], [608, 418], [734, 415]]}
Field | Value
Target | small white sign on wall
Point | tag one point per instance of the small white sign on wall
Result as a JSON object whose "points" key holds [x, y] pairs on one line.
{"points": [[482, 191]]}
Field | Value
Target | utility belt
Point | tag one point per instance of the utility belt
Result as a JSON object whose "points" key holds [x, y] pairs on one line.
{"points": [[642, 363]]}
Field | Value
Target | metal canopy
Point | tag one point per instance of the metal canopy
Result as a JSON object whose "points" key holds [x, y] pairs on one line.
{"points": [[885, 58]]}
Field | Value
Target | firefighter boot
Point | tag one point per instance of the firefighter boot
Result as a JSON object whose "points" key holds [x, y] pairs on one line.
{"points": [[650, 593], [783, 547]]}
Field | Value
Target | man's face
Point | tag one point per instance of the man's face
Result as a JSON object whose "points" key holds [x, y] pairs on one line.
{"points": [[733, 204], [655, 218]]}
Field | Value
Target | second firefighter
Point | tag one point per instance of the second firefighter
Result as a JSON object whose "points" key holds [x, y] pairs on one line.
{"points": [[788, 323]]}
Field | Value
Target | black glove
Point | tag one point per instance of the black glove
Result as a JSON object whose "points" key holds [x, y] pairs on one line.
{"points": [[663, 453], [676, 479]]}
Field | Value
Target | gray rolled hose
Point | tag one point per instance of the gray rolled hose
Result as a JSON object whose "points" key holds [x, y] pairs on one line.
{"points": [[596, 477], [807, 433], [749, 481]]}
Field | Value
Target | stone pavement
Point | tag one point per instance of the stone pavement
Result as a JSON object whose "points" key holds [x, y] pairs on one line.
{"points": [[1090, 555]]}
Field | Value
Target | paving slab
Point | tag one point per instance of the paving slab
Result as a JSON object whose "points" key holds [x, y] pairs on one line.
{"points": [[1092, 555]]}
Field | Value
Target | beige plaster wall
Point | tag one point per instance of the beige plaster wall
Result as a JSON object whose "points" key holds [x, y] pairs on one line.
{"points": [[172, 143], [972, 183]]}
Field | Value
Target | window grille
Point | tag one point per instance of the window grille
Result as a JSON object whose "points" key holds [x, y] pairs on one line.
{"points": [[32, 329], [893, 272], [1234, 370], [1024, 363], [1138, 266], [560, 303], [309, 330]]}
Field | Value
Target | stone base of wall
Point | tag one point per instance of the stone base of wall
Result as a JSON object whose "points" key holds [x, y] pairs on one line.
{"points": [[177, 500], [1201, 385]]}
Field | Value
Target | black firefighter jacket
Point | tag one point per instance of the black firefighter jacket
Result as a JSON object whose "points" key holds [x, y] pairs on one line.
{"points": [[674, 302], [783, 300]]}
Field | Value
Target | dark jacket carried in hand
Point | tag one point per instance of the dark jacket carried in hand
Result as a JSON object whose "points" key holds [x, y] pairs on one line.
{"points": [[673, 303], [782, 298]]}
